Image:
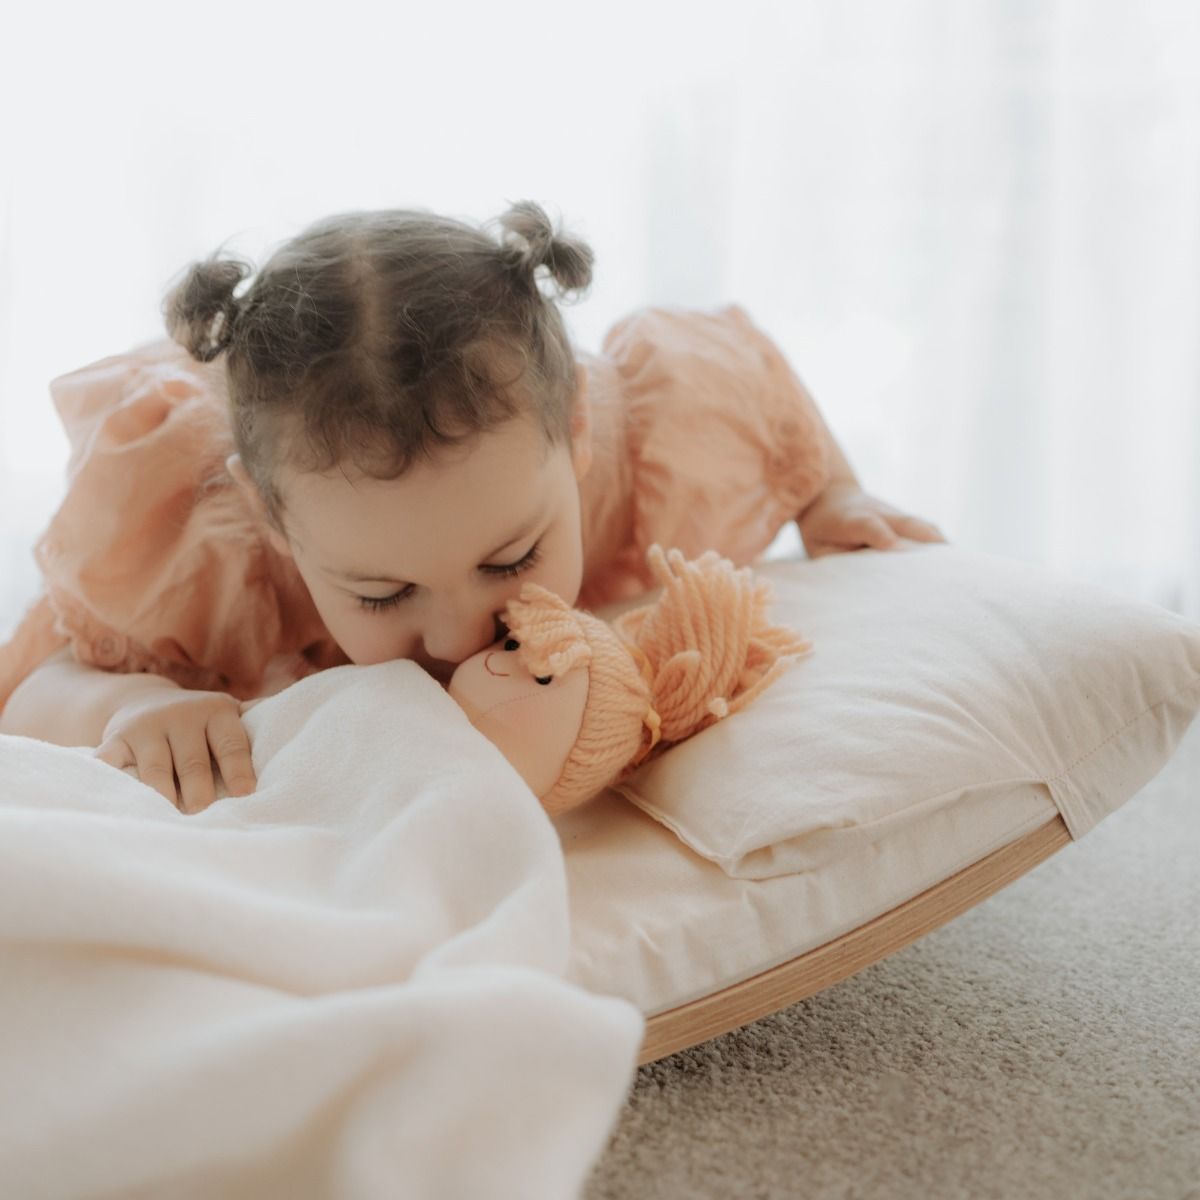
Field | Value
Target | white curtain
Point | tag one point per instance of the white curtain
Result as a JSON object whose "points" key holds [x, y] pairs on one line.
{"points": [[973, 225]]}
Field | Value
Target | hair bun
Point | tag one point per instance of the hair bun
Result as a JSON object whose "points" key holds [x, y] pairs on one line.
{"points": [[201, 311], [533, 242]]}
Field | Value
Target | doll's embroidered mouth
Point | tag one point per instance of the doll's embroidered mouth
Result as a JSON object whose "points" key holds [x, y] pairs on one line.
{"points": [[487, 663]]}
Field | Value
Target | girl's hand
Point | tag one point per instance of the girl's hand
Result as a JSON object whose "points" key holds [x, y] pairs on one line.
{"points": [[179, 733], [844, 517]]}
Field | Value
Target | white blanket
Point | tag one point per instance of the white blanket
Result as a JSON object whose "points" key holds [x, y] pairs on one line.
{"points": [[349, 984]]}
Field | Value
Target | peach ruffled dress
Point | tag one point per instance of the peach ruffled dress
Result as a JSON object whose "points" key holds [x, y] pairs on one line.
{"points": [[703, 438]]}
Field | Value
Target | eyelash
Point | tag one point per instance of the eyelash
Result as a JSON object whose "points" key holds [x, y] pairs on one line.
{"points": [[509, 570]]}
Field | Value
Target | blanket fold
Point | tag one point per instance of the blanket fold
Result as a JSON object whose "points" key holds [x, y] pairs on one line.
{"points": [[348, 984]]}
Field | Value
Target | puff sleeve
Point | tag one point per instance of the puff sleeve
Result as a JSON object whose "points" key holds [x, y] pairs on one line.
{"points": [[154, 561], [724, 443]]}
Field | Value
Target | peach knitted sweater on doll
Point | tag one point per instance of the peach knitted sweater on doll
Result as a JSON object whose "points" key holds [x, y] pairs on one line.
{"points": [[703, 438]]}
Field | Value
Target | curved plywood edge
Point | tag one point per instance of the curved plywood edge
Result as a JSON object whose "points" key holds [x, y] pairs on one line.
{"points": [[763, 994]]}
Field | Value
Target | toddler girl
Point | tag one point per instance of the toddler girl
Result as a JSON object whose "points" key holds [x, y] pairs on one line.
{"points": [[364, 454]]}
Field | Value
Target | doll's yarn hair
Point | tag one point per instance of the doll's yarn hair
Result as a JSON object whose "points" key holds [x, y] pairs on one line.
{"points": [[660, 673]]}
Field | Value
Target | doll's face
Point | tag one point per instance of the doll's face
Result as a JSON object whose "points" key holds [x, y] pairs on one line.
{"points": [[534, 725]]}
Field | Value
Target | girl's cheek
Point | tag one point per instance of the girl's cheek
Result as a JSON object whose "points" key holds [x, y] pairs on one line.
{"points": [[556, 570], [380, 642], [561, 571], [366, 637]]}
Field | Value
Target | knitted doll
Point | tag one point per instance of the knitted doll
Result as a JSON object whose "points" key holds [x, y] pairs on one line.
{"points": [[576, 704]]}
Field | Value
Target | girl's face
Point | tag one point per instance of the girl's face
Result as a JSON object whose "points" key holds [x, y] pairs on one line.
{"points": [[421, 567]]}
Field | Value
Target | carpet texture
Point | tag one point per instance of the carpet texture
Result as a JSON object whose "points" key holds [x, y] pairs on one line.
{"points": [[1045, 1044]]}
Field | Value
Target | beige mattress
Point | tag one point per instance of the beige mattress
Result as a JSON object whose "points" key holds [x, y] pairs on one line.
{"points": [[954, 704], [656, 924]]}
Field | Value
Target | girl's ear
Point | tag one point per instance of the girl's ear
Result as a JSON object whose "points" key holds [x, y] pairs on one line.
{"points": [[246, 485], [581, 426]]}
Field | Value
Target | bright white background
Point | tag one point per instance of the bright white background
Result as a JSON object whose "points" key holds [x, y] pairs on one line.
{"points": [[973, 225]]}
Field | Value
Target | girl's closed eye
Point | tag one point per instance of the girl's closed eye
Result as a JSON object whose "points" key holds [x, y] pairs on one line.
{"points": [[378, 603], [511, 569]]}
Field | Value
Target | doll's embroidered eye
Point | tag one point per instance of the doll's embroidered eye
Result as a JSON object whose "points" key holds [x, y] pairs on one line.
{"points": [[511, 644], [543, 679]]}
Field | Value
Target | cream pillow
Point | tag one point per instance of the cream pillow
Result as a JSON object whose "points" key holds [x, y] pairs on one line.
{"points": [[938, 674]]}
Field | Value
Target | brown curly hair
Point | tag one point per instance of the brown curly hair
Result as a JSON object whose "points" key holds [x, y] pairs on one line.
{"points": [[374, 339]]}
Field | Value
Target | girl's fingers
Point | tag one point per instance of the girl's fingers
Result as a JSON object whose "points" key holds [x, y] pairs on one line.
{"points": [[917, 529], [231, 748], [152, 757], [116, 752], [877, 533], [870, 532], [152, 761], [193, 765]]}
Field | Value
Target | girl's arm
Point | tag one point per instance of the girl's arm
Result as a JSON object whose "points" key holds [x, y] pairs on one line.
{"points": [[844, 517], [64, 702]]}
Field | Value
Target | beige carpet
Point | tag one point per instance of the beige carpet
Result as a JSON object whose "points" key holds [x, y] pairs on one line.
{"points": [[1044, 1045]]}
